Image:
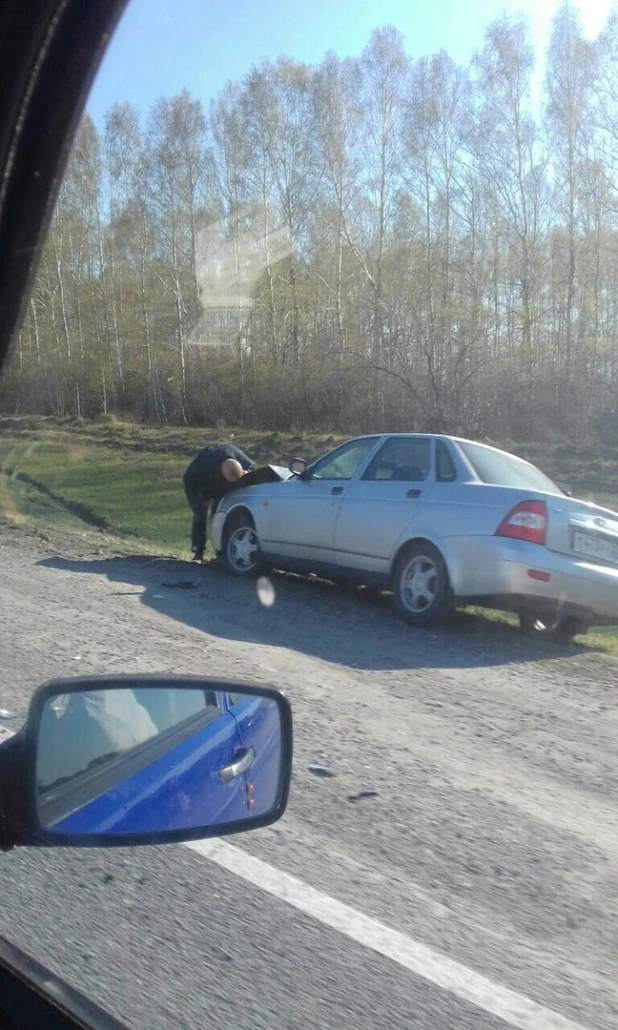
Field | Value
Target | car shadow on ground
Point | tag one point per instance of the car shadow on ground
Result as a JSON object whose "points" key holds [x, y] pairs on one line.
{"points": [[358, 629]]}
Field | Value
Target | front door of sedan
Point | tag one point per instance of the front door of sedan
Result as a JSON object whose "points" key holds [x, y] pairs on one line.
{"points": [[378, 507], [303, 512]]}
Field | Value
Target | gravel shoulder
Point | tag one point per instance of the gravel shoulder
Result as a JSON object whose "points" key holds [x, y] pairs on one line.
{"points": [[489, 765]]}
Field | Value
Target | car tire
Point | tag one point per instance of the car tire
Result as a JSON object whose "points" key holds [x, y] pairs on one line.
{"points": [[563, 629], [240, 555], [421, 585]]}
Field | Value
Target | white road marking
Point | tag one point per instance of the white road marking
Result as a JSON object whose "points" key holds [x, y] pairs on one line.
{"points": [[513, 1009]]}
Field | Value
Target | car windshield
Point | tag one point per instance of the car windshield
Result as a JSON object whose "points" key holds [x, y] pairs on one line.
{"points": [[372, 236], [499, 469]]}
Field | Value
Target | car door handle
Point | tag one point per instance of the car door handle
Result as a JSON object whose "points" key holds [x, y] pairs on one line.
{"points": [[337, 490], [414, 493], [243, 760]]}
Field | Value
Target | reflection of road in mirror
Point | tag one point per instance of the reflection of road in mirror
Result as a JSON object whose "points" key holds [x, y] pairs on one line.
{"points": [[145, 760]]}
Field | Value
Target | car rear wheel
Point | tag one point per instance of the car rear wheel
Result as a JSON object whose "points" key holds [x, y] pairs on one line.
{"points": [[241, 547], [421, 586], [562, 628]]}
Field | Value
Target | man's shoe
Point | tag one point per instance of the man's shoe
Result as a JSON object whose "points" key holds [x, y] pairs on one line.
{"points": [[198, 556]]}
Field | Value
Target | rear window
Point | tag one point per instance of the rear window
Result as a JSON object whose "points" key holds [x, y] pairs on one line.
{"points": [[497, 469]]}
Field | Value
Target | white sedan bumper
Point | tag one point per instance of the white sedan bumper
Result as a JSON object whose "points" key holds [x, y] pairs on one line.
{"points": [[499, 567]]}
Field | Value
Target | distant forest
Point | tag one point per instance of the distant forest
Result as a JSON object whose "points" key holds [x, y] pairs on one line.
{"points": [[381, 243]]}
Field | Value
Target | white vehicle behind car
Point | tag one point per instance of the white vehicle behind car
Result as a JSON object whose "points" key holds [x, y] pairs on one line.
{"points": [[439, 520]]}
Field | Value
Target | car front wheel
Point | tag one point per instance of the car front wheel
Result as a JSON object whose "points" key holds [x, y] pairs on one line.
{"points": [[561, 629], [421, 585], [241, 547]]}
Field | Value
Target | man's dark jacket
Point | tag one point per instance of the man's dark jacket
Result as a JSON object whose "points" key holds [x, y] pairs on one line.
{"points": [[203, 478]]}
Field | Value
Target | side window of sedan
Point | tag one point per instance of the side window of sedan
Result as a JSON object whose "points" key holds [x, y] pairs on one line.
{"points": [[343, 463], [401, 460]]}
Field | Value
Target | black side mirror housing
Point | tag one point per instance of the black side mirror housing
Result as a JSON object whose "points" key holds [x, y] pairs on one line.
{"points": [[130, 760]]}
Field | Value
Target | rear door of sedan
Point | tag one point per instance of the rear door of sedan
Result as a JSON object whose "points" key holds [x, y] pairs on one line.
{"points": [[387, 498]]}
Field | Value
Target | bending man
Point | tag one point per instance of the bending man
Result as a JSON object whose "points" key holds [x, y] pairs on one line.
{"points": [[209, 476]]}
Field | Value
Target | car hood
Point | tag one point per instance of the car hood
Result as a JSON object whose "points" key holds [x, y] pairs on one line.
{"points": [[263, 474], [282, 472]]}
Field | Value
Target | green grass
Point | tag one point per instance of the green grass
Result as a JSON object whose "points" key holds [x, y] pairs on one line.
{"points": [[85, 488], [122, 478], [604, 638], [107, 431], [125, 480]]}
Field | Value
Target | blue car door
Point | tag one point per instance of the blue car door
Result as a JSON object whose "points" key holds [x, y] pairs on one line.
{"points": [[259, 727], [193, 778]]}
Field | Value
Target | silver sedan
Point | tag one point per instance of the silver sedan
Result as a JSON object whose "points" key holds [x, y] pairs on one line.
{"points": [[438, 520]]}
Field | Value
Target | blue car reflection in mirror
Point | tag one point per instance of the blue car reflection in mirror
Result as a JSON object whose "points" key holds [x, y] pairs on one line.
{"points": [[143, 760]]}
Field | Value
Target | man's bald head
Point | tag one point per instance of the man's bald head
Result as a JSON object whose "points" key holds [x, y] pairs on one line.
{"points": [[232, 470]]}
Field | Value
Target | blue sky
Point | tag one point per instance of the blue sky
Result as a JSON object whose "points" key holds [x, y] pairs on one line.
{"points": [[162, 46]]}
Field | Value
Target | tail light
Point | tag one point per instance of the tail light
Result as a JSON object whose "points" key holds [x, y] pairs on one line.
{"points": [[526, 521]]}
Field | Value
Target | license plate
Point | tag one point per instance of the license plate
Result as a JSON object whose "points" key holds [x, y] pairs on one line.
{"points": [[595, 547]]}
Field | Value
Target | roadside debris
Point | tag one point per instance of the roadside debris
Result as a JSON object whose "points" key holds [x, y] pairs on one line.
{"points": [[321, 771]]}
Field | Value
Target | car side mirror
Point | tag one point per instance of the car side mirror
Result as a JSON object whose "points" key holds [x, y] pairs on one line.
{"points": [[298, 467], [128, 760]]}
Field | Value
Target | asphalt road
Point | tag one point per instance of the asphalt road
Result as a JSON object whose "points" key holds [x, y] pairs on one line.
{"points": [[483, 861]]}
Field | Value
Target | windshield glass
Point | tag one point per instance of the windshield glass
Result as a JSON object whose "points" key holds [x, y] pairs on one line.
{"points": [[350, 233], [500, 469]]}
